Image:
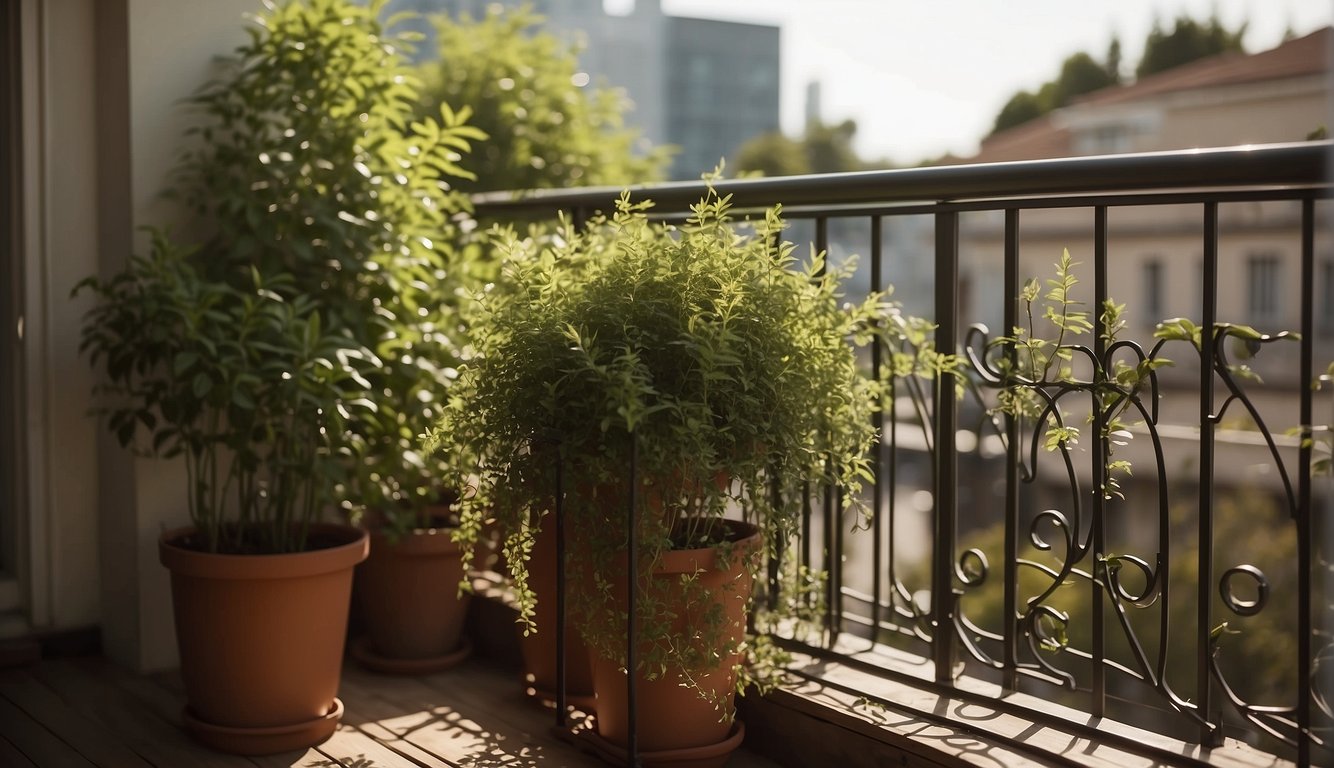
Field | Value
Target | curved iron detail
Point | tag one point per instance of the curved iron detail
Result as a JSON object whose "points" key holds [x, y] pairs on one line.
{"points": [[1108, 393], [1095, 576], [1241, 606]]}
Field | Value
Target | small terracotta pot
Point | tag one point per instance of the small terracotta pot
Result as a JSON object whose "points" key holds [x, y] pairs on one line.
{"points": [[261, 639], [408, 595], [539, 648], [672, 715]]}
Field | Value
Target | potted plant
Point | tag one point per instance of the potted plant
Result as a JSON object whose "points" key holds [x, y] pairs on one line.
{"points": [[315, 166], [242, 381], [707, 371]]}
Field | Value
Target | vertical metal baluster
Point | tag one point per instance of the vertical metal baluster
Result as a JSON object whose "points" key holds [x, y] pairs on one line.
{"points": [[829, 558], [877, 450], [578, 218], [1010, 629], [779, 547], [775, 489], [1098, 455], [561, 667], [834, 499], [821, 236], [631, 587], [1305, 540], [1210, 735], [806, 533], [946, 460]]}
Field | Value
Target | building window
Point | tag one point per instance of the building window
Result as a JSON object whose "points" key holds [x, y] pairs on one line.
{"points": [[1153, 290], [1262, 286]]}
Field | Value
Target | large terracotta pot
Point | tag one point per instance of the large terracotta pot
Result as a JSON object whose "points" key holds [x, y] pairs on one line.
{"points": [[408, 595], [261, 639], [673, 719], [539, 648]]}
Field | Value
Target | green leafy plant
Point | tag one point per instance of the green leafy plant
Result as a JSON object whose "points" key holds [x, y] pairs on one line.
{"points": [[547, 126], [312, 164], [717, 359], [243, 381], [1040, 363]]}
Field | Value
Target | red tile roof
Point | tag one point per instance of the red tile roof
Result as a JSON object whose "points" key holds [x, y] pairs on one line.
{"points": [[1307, 55], [1039, 138]]}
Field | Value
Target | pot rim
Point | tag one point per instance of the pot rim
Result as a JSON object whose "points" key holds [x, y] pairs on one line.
{"points": [[706, 558], [287, 565]]}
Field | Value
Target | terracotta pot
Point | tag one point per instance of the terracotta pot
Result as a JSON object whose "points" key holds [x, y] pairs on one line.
{"points": [[408, 595], [539, 648], [672, 715], [261, 639]]}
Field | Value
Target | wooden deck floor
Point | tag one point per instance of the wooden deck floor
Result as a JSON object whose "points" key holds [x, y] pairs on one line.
{"points": [[82, 712]]}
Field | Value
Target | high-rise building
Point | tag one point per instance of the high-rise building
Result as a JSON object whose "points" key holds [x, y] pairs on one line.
{"points": [[701, 85]]}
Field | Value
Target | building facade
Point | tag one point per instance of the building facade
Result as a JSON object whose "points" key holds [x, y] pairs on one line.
{"points": [[702, 86]]}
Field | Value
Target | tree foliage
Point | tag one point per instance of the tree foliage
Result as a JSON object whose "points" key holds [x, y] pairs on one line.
{"points": [[1081, 73], [824, 149], [311, 165], [546, 126], [1189, 40], [773, 154]]}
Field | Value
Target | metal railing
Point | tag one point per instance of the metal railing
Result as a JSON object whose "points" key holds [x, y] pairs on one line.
{"points": [[1193, 599]]}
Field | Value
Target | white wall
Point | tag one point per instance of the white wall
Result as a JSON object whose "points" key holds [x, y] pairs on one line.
{"points": [[103, 122]]}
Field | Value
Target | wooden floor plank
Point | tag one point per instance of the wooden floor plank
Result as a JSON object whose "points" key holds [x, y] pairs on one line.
{"points": [[89, 712], [39, 745], [347, 747], [353, 748], [417, 716], [12, 757], [128, 705], [460, 724], [91, 739], [382, 721]]}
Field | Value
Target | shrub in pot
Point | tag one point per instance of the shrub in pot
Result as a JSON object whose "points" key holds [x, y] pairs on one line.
{"points": [[708, 371], [313, 164], [288, 355], [242, 381]]}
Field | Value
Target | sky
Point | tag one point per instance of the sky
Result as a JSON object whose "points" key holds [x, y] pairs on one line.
{"points": [[926, 77]]}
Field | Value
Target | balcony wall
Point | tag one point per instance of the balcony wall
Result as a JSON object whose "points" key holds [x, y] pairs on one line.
{"points": [[102, 114]]}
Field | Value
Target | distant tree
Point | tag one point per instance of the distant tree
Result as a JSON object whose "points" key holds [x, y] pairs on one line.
{"points": [[824, 149], [1080, 74], [1112, 65], [773, 154], [547, 126], [829, 147], [1021, 108], [1189, 40]]}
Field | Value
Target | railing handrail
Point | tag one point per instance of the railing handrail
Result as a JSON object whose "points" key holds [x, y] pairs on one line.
{"points": [[1251, 165]]}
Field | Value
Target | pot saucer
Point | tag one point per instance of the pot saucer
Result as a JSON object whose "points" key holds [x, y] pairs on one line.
{"points": [[362, 650], [585, 736], [266, 740]]}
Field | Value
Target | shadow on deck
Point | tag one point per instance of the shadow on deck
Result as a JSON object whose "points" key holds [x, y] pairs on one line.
{"points": [[83, 712]]}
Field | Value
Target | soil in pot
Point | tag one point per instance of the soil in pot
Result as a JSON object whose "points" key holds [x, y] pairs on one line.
{"points": [[261, 639]]}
